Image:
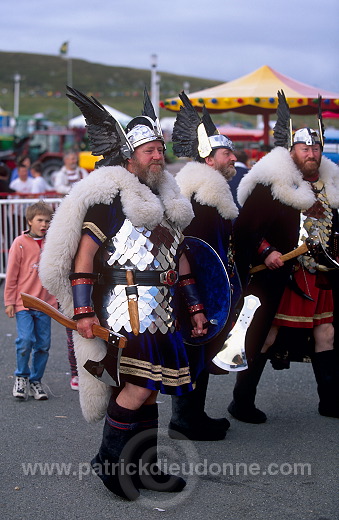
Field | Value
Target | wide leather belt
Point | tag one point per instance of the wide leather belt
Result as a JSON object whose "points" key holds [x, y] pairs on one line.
{"points": [[151, 278]]}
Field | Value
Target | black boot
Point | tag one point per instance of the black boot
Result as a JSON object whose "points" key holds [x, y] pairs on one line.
{"points": [[145, 455], [189, 419], [113, 458], [242, 407], [326, 370]]}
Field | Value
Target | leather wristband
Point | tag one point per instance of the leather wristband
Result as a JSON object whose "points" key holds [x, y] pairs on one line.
{"points": [[82, 288], [267, 251], [189, 289]]}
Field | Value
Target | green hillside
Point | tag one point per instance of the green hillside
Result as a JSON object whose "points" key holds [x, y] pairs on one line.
{"points": [[43, 80]]}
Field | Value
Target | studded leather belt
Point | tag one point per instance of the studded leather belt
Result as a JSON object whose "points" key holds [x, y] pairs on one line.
{"points": [[152, 278]]}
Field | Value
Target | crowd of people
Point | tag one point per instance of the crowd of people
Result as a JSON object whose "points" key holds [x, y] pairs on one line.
{"points": [[27, 177], [125, 251]]}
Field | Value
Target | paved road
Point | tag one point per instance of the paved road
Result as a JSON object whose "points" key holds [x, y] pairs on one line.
{"points": [[249, 475]]}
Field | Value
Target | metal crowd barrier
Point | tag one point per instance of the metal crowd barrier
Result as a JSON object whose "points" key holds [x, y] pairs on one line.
{"points": [[13, 222]]}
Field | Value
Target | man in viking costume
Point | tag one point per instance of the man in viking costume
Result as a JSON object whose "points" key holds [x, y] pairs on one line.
{"points": [[289, 199], [124, 220], [204, 181]]}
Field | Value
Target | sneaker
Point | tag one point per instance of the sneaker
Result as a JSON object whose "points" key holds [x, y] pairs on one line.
{"points": [[36, 390], [20, 389], [75, 383]]}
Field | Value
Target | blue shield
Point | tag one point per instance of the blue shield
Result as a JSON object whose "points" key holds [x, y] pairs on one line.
{"points": [[214, 289]]}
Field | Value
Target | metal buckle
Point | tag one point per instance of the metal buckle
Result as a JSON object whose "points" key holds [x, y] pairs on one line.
{"points": [[169, 277]]}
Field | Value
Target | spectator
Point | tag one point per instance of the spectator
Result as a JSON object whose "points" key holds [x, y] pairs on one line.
{"points": [[23, 184], [33, 327], [4, 183], [69, 174], [39, 184], [22, 159]]}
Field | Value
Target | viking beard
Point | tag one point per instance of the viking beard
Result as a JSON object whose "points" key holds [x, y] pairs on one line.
{"points": [[152, 175], [227, 171], [309, 167]]}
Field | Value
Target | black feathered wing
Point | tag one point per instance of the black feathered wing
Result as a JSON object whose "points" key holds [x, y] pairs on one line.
{"points": [[148, 109], [185, 135], [282, 131], [210, 127], [321, 127], [103, 135]]}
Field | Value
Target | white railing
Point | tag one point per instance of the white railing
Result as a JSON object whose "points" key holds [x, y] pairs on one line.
{"points": [[13, 222]]}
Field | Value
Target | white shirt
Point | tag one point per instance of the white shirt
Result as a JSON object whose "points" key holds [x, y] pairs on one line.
{"points": [[64, 179], [22, 186], [39, 185]]}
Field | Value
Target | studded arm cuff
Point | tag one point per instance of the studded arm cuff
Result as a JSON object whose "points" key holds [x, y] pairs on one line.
{"points": [[190, 292], [82, 288]]}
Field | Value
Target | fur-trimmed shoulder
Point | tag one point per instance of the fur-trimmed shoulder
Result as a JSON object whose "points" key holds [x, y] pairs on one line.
{"points": [[278, 170], [208, 187], [329, 173], [142, 208]]}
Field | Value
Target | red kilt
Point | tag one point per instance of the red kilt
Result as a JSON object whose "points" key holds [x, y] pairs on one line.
{"points": [[296, 311]]}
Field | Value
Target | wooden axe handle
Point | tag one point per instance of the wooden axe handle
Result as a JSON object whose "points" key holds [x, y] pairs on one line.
{"points": [[288, 256], [31, 302]]}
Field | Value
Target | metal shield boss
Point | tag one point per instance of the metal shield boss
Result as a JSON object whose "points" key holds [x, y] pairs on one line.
{"points": [[214, 289]]}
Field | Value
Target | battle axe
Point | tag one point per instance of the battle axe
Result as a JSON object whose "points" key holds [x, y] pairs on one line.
{"points": [[106, 370], [288, 256]]}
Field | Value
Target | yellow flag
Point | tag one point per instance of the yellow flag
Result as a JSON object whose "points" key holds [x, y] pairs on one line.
{"points": [[64, 48]]}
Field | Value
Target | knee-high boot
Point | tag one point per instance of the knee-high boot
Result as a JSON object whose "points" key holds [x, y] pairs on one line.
{"points": [[109, 464], [189, 418], [242, 407], [149, 474], [326, 370]]}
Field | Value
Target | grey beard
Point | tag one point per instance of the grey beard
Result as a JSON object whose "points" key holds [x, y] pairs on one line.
{"points": [[153, 180], [228, 173]]}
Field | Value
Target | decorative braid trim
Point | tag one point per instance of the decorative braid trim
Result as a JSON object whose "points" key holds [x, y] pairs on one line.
{"points": [[82, 281], [82, 310], [188, 281], [194, 309]]}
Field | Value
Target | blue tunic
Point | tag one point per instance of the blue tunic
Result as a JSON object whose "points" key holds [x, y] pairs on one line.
{"points": [[156, 361]]}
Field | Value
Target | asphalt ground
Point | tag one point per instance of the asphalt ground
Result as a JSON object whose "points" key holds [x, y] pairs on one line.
{"points": [[285, 469]]}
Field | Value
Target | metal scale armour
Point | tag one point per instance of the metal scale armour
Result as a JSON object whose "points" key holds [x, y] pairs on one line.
{"points": [[142, 249], [315, 223]]}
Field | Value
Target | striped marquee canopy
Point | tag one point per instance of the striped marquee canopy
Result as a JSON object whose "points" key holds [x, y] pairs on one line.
{"points": [[256, 93]]}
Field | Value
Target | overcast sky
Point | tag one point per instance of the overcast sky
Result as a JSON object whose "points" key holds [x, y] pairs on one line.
{"points": [[220, 40]]}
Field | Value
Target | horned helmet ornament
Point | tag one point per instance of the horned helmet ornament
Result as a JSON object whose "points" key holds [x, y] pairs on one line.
{"points": [[194, 136], [106, 135], [283, 130]]}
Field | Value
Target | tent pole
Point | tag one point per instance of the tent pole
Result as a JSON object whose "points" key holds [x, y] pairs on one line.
{"points": [[266, 117]]}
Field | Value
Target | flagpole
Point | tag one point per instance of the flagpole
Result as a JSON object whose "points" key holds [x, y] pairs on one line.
{"points": [[70, 83], [64, 54]]}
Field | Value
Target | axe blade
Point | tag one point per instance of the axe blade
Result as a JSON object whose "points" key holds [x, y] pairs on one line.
{"points": [[107, 370]]}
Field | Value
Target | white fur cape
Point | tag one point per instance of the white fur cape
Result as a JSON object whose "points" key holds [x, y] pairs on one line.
{"points": [[278, 170], [142, 208], [208, 187]]}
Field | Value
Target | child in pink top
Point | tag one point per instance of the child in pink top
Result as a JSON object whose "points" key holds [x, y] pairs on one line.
{"points": [[33, 327]]}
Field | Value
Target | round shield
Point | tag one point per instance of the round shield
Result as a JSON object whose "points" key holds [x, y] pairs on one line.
{"points": [[214, 290]]}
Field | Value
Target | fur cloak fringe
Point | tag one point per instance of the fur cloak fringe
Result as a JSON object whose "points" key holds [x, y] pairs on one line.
{"points": [[208, 187], [142, 208], [278, 170]]}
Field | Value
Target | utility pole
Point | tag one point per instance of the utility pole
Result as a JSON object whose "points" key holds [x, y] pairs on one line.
{"points": [[17, 79], [63, 52], [155, 83], [69, 83]]}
